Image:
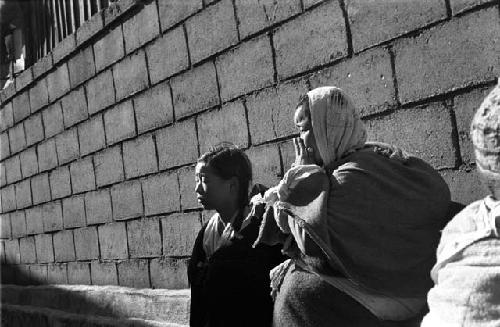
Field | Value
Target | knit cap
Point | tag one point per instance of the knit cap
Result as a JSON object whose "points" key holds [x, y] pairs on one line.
{"points": [[485, 134]]}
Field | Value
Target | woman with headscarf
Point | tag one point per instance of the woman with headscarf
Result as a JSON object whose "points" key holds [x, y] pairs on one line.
{"points": [[361, 222], [467, 272]]}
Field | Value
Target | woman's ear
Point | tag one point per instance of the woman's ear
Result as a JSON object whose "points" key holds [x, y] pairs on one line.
{"points": [[234, 185]]}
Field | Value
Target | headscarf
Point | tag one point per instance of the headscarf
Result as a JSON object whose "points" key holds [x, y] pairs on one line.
{"points": [[485, 134], [336, 124]]}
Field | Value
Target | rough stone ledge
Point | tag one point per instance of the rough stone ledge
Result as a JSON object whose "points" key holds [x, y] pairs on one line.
{"points": [[16, 315], [161, 305]]}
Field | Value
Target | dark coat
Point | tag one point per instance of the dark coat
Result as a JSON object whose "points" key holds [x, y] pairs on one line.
{"points": [[232, 287]]}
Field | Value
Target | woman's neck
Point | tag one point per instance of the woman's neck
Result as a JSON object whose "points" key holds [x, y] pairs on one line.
{"points": [[227, 212]]}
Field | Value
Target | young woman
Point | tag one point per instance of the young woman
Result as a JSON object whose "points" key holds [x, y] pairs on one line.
{"points": [[229, 278]]}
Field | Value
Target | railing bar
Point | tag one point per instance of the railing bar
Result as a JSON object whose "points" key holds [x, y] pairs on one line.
{"points": [[99, 7], [89, 9], [81, 6], [55, 28], [72, 15], [65, 19]]}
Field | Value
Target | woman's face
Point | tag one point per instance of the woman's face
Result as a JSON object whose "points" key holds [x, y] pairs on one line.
{"points": [[304, 124], [211, 190]]}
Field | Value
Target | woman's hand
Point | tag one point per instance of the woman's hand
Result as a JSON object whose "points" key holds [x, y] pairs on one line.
{"points": [[303, 155]]}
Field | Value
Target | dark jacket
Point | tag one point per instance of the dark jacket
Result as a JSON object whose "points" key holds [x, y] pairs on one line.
{"points": [[232, 287]]}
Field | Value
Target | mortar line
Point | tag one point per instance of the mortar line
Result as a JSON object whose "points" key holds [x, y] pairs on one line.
{"points": [[245, 109], [449, 13], [236, 20], [218, 84], [273, 55], [455, 137], [345, 14], [392, 58], [190, 64]]}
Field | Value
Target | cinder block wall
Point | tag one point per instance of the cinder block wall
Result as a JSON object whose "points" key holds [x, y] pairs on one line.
{"points": [[99, 139]]}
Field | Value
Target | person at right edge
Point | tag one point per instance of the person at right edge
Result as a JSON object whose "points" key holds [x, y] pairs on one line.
{"points": [[361, 221], [467, 272]]}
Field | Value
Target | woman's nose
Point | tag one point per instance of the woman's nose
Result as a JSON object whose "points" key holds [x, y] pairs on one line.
{"points": [[197, 187]]}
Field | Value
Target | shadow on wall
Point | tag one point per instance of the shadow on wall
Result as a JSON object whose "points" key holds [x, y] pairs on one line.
{"points": [[29, 302]]}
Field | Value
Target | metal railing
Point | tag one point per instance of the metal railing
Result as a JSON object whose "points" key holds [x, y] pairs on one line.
{"points": [[29, 30]]}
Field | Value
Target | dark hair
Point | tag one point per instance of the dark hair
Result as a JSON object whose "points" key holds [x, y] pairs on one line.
{"points": [[229, 161]]}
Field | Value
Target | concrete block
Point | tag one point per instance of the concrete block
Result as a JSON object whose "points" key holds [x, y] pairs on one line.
{"points": [[256, 16], [422, 63], [167, 55], [64, 48], [465, 105], [8, 198], [38, 274], [53, 119], [212, 30], [431, 137], [113, 240], [34, 129], [23, 194], [17, 138], [18, 223], [12, 252], [130, 75], [119, 122], [173, 12], [300, 44], [270, 112], [34, 220], [98, 207], [100, 91], [74, 107], [6, 116], [91, 135], [161, 194], [227, 124], [195, 90], [82, 175], [118, 9], [8, 92], [60, 184], [13, 168], [81, 67], [86, 243], [41, 188], [168, 141], [103, 273], [52, 216], [186, 186], [141, 28], [4, 146], [39, 95], [144, 239], [24, 79], [89, 28], [139, 156], [44, 248], [108, 166], [246, 68], [458, 6], [266, 164], [57, 273], [169, 273], [58, 82], [153, 108], [27, 249], [3, 175], [74, 212], [64, 247], [43, 65], [134, 273], [79, 273], [47, 155], [179, 233], [367, 79], [67, 146], [465, 186], [109, 49], [373, 22], [127, 200], [5, 228], [21, 106]]}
